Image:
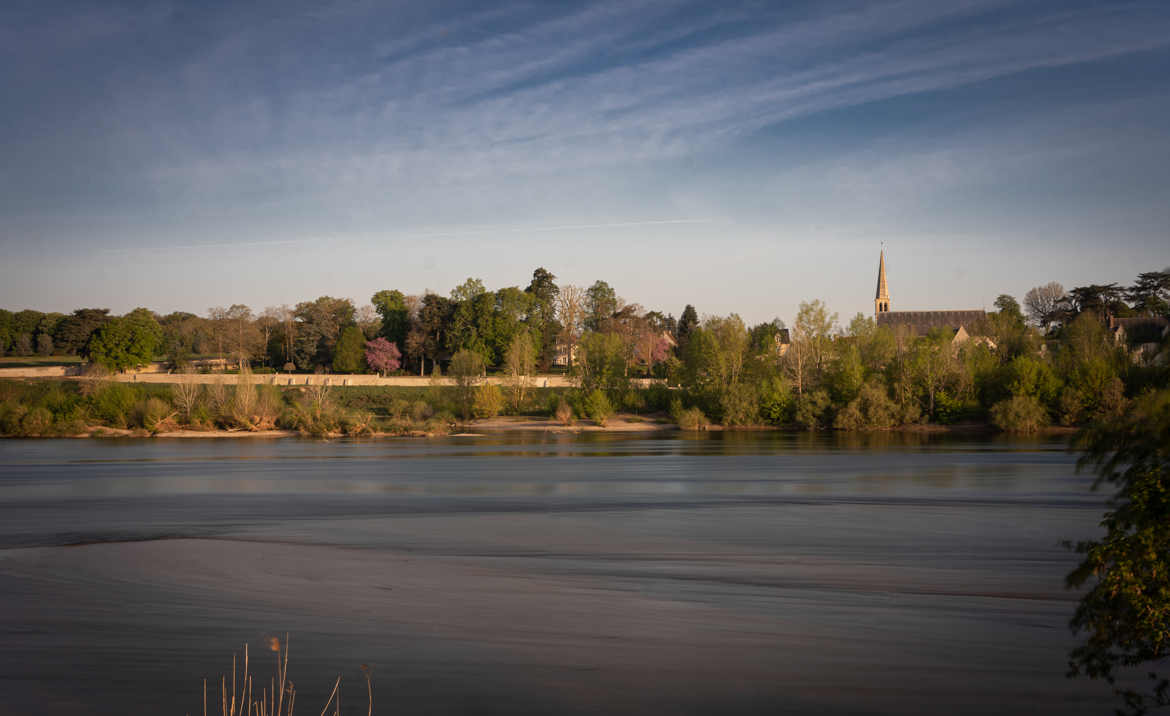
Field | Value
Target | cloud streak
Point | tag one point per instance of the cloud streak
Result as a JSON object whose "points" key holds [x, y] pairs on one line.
{"points": [[542, 101]]}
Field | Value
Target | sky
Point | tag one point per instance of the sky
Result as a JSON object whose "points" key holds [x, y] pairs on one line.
{"points": [[738, 156]]}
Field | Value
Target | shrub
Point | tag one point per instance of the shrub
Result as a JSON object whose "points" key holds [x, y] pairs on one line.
{"points": [[872, 409], [489, 401], [597, 407], [811, 408], [113, 404], [692, 419], [11, 415], [739, 404], [1019, 414], [634, 401], [268, 407], [775, 401], [153, 414], [563, 412], [37, 422], [420, 410]]}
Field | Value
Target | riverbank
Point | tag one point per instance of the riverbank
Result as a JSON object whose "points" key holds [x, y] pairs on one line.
{"points": [[515, 424]]}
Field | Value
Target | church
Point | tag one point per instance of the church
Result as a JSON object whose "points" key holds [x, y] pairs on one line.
{"points": [[920, 322]]}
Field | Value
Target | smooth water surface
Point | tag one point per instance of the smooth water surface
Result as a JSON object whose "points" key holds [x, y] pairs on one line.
{"points": [[545, 573]]}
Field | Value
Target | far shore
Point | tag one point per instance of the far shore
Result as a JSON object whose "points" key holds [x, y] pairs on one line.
{"points": [[515, 424]]}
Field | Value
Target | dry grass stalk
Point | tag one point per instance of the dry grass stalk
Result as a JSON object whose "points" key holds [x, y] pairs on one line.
{"points": [[279, 698], [331, 695]]}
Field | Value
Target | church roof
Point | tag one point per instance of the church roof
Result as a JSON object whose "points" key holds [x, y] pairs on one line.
{"points": [[923, 322], [882, 290]]}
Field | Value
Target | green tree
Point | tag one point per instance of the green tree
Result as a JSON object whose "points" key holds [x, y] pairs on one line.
{"points": [[597, 407], [318, 328], [434, 322], [472, 319], [74, 330], [542, 315], [391, 307], [1150, 294], [1124, 617], [125, 342], [601, 363], [349, 355], [519, 363], [1008, 306], [512, 306], [600, 305], [932, 364], [687, 323], [467, 370]]}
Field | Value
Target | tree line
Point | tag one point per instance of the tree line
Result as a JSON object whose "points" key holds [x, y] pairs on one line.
{"points": [[1052, 360]]}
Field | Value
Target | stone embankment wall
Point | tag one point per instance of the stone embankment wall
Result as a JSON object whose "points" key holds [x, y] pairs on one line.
{"points": [[153, 375]]}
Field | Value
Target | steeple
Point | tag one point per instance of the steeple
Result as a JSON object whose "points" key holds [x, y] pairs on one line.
{"points": [[881, 301]]}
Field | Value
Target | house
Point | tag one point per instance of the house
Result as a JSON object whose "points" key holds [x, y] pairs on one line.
{"points": [[1142, 336]]}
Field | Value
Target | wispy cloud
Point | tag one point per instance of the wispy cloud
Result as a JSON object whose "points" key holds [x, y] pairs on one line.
{"points": [[542, 99], [269, 124]]}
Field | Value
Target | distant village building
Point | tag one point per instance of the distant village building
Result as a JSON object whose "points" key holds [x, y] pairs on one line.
{"points": [[919, 323], [1142, 336], [783, 341]]}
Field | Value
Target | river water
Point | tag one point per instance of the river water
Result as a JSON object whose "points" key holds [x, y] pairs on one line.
{"points": [[543, 573]]}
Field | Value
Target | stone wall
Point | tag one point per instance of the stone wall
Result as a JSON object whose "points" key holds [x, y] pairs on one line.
{"points": [[153, 374]]}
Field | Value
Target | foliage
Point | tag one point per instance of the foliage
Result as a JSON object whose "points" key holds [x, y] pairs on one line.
{"points": [[382, 355], [542, 315], [687, 323], [1124, 617], [562, 411], [467, 369], [812, 408], [489, 401], [391, 307], [319, 325], [1019, 414], [688, 418], [125, 342], [776, 400], [349, 356], [872, 409], [601, 363], [597, 407], [520, 363]]}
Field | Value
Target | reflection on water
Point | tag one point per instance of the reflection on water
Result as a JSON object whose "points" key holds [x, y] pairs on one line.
{"points": [[538, 572]]}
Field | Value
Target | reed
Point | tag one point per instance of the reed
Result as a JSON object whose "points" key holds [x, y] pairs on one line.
{"points": [[279, 698]]}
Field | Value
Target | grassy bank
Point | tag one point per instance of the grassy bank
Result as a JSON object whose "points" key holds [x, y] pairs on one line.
{"points": [[65, 408]]}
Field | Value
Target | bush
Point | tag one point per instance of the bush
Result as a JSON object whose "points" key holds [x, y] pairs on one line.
{"points": [[811, 408], [1019, 414], [153, 414], [687, 418], [37, 422], [113, 404], [489, 401], [420, 410], [563, 412], [633, 400], [872, 409], [692, 419], [775, 401], [739, 404], [597, 407]]}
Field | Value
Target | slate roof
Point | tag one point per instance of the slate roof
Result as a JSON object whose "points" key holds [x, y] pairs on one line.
{"points": [[1141, 329], [922, 322]]}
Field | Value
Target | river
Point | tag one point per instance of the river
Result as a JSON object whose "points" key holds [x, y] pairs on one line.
{"points": [[733, 573]]}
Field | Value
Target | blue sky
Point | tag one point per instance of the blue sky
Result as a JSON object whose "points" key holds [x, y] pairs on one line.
{"points": [[738, 156]]}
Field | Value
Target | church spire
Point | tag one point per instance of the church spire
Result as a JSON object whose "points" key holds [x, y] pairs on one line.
{"points": [[881, 301]]}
